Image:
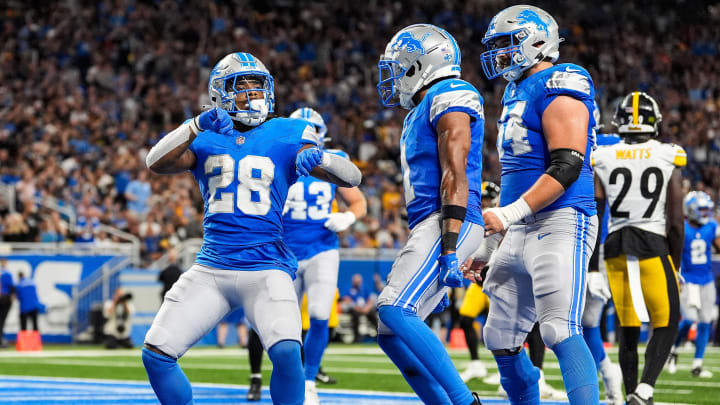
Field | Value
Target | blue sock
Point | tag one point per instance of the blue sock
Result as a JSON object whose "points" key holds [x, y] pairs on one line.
{"points": [[519, 378], [316, 341], [415, 373], [418, 337], [593, 339], [580, 380], [683, 330], [701, 339], [287, 385], [167, 378]]}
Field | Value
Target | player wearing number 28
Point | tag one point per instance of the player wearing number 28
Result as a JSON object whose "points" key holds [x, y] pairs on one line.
{"points": [[640, 178], [244, 166], [441, 159], [547, 209]]}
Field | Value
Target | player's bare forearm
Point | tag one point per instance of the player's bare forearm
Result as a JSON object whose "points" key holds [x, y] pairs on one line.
{"points": [[454, 140], [355, 200], [543, 193], [675, 218]]}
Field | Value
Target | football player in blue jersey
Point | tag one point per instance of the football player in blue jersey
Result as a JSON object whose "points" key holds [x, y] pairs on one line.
{"points": [[547, 208], [311, 234], [244, 166], [441, 159], [697, 297]]}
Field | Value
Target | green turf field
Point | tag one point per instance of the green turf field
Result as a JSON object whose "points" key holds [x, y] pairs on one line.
{"points": [[356, 367]]}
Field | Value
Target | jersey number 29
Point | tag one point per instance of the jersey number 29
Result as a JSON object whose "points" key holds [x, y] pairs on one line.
{"points": [[254, 176]]}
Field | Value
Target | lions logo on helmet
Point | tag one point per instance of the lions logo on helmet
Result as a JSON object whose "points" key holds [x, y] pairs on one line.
{"points": [[638, 114], [242, 73], [315, 119], [517, 39], [698, 206], [416, 56]]}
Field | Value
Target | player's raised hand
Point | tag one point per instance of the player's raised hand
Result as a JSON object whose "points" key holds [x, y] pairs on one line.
{"points": [[339, 221], [307, 160], [216, 120], [598, 286], [450, 274]]}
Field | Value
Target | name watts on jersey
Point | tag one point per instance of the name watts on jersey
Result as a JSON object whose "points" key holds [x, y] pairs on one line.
{"points": [[629, 154]]}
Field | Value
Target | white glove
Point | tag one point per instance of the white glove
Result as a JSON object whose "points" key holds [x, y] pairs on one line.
{"points": [[598, 286], [339, 221]]}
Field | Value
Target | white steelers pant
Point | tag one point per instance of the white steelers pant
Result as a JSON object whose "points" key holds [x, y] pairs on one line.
{"points": [[318, 276], [697, 301], [203, 296], [538, 274], [413, 280]]}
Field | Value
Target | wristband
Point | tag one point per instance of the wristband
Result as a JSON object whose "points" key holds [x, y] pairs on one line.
{"points": [[453, 212], [449, 241], [511, 214]]}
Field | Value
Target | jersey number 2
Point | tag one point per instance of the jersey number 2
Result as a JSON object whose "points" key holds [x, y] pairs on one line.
{"points": [[254, 176], [698, 252]]}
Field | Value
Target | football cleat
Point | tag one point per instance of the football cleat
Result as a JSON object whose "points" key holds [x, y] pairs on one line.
{"points": [[311, 393], [324, 378], [475, 369], [672, 363], [548, 392], [635, 399], [255, 390], [476, 399], [699, 372], [493, 379]]}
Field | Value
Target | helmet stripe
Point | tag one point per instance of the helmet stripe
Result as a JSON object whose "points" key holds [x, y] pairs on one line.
{"points": [[636, 103]]}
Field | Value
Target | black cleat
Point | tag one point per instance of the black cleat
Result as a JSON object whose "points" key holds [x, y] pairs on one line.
{"points": [[324, 378], [476, 399], [634, 399], [255, 389]]}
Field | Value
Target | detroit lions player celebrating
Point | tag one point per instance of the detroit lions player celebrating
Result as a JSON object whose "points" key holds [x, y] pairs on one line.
{"points": [[697, 298], [546, 208], [311, 233], [441, 158], [244, 167]]}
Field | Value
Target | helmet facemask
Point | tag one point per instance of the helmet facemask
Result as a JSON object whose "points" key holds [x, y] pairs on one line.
{"points": [[239, 96]]}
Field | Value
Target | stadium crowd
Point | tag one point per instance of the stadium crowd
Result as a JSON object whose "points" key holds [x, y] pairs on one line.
{"points": [[87, 88]]}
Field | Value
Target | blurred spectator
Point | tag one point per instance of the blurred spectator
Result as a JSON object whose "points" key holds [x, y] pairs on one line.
{"points": [[138, 193], [7, 289], [360, 303], [118, 312], [29, 303], [15, 229], [170, 274], [86, 229]]}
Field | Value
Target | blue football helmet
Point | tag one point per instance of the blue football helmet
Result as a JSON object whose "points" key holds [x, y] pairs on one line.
{"points": [[315, 119], [237, 73], [698, 206], [517, 39], [415, 56]]}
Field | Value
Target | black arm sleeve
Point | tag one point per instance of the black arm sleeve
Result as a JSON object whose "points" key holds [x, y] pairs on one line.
{"points": [[565, 166], [595, 258]]}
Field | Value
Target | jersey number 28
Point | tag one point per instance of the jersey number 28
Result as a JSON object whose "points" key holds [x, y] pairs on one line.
{"points": [[254, 176]]}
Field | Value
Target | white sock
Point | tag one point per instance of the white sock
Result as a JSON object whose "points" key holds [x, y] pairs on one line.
{"points": [[697, 363], [645, 391], [605, 365], [256, 375], [309, 384]]}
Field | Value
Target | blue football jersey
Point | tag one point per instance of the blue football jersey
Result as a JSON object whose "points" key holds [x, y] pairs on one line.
{"points": [[244, 180], [697, 252], [308, 206], [521, 144], [419, 144], [602, 140]]}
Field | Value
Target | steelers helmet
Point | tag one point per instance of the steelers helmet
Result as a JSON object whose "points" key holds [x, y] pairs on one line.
{"points": [[638, 114], [490, 190]]}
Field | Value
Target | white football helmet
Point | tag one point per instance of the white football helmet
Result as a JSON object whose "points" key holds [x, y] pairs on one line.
{"points": [[415, 56], [517, 39], [698, 206], [315, 119], [226, 81]]}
